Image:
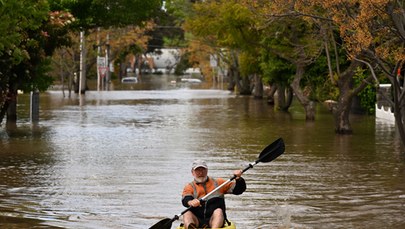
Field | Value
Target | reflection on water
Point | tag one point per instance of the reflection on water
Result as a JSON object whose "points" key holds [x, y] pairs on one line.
{"points": [[119, 159]]}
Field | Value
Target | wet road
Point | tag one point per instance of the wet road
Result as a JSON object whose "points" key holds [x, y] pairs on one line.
{"points": [[119, 159]]}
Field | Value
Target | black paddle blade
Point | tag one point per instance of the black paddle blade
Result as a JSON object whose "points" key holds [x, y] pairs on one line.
{"points": [[163, 224], [272, 151]]}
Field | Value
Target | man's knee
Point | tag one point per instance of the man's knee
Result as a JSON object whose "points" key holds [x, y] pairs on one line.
{"points": [[217, 219], [218, 212], [189, 219]]}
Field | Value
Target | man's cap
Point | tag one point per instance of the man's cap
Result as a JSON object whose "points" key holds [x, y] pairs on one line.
{"points": [[199, 163]]}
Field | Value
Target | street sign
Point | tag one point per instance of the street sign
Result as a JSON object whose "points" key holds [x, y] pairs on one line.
{"points": [[102, 65], [213, 61]]}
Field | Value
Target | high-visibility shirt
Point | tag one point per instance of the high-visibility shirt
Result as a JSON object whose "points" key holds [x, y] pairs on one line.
{"points": [[194, 190]]}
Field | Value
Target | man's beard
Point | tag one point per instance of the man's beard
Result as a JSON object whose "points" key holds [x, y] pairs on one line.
{"points": [[200, 179]]}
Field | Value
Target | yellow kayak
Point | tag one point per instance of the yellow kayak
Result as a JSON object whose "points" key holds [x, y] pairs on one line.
{"points": [[231, 225]]}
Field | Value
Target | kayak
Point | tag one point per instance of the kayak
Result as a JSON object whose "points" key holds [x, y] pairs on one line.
{"points": [[231, 225]]}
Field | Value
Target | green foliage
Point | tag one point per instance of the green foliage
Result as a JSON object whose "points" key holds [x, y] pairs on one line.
{"points": [[43, 80], [15, 18], [180, 9], [27, 41], [31, 32], [225, 24], [324, 89], [317, 78], [368, 95], [288, 42], [165, 36], [106, 13], [290, 38], [275, 69], [183, 64], [235, 27], [249, 64], [133, 49]]}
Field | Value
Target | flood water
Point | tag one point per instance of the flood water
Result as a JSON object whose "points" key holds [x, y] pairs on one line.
{"points": [[119, 159]]}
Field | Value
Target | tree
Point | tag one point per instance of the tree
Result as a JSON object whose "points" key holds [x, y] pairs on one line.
{"points": [[226, 25], [372, 33], [32, 33], [344, 80], [130, 41], [295, 40], [278, 73], [318, 15], [33, 30], [93, 14], [375, 36]]}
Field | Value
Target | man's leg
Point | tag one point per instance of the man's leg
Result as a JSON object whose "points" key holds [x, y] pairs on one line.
{"points": [[188, 219], [217, 219]]}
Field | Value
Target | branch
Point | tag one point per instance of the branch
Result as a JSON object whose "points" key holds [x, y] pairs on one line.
{"points": [[371, 69], [299, 14]]}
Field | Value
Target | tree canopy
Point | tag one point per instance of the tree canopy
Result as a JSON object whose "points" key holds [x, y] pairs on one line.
{"points": [[32, 30], [107, 13], [298, 37]]}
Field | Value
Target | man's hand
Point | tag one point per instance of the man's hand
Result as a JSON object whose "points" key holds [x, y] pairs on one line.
{"points": [[237, 173], [194, 203]]}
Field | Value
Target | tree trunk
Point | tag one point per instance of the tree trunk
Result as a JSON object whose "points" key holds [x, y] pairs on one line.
{"points": [[139, 58], [273, 89], [257, 87], [12, 107], [289, 97], [232, 83], [284, 97], [4, 108], [346, 94], [244, 86], [309, 106], [236, 84], [341, 114], [281, 98], [399, 110]]}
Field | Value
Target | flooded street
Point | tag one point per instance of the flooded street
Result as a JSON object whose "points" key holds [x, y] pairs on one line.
{"points": [[119, 159]]}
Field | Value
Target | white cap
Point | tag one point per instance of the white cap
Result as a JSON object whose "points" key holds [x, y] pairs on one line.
{"points": [[199, 163]]}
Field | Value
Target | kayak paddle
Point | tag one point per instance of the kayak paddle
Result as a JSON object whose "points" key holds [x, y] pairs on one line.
{"points": [[269, 153]]}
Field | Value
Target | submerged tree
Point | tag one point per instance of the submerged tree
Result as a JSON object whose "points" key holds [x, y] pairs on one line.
{"points": [[294, 40], [374, 34], [106, 14], [32, 32]]}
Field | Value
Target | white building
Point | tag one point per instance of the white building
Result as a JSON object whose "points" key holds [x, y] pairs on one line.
{"points": [[164, 60]]}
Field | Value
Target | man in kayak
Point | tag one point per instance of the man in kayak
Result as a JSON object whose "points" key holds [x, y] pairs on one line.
{"points": [[211, 212]]}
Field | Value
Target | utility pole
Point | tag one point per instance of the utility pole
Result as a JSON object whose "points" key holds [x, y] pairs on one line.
{"points": [[82, 67], [107, 60], [98, 54]]}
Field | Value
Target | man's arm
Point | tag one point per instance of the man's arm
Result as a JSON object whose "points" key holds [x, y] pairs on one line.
{"points": [[187, 195], [185, 200], [240, 186]]}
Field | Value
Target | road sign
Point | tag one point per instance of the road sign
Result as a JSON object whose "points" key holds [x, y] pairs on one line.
{"points": [[213, 61], [102, 65]]}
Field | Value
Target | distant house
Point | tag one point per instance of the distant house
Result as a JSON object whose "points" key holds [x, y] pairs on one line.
{"points": [[163, 60]]}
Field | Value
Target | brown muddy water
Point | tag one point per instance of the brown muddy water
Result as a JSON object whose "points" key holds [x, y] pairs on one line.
{"points": [[119, 159]]}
